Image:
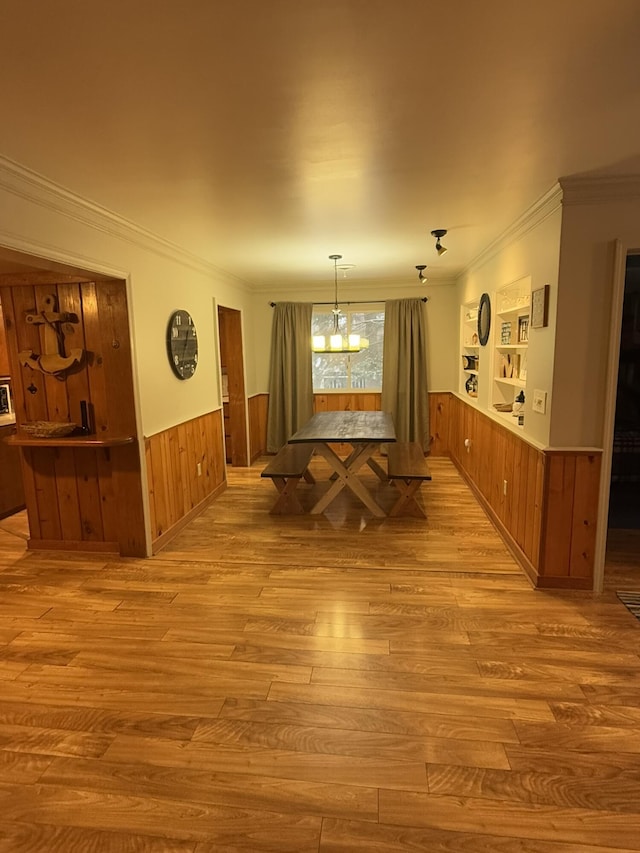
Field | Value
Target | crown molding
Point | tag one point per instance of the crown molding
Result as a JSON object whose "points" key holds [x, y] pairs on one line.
{"points": [[37, 189], [540, 210], [599, 189], [359, 289]]}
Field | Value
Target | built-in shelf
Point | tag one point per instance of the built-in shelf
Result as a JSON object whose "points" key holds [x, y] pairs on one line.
{"points": [[469, 346], [22, 440], [508, 418], [511, 341], [519, 383]]}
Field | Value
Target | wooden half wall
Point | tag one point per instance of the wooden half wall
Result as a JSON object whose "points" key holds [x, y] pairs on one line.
{"points": [[543, 502], [185, 472], [83, 492]]}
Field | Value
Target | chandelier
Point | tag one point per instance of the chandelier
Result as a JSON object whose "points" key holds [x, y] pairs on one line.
{"points": [[336, 341]]}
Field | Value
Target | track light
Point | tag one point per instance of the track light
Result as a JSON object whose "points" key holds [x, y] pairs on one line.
{"points": [[421, 278], [438, 233]]}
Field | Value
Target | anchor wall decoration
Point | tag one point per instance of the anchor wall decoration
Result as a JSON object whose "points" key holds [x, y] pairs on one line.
{"points": [[52, 361]]}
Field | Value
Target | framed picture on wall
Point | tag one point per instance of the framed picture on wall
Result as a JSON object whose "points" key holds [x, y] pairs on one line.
{"points": [[540, 307], [5, 400]]}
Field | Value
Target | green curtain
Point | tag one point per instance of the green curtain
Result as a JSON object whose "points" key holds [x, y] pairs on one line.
{"points": [[404, 369], [291, 379]]}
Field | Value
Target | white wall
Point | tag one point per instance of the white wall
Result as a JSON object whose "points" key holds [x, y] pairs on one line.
{"points": [[39, 218], [596, 213], [441, 315], [532, 250]]}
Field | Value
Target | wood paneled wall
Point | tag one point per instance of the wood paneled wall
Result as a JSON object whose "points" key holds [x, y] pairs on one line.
{"points": [[549, 512], [5, 370], [78, 497], [439, 423], [232, 363], [11, 490], [185, 471], [258, 405], [355, 402]]}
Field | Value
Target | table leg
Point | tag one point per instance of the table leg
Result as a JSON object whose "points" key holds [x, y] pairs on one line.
{"points": [[347, 476]]}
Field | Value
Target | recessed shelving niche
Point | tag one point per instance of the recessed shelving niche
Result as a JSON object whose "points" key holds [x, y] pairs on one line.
{"points": [[511, 342], [469, 350]]}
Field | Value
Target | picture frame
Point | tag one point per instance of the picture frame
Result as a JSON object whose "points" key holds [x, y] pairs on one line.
{"points": [[5, 400], [523, 330], [540, 307]]}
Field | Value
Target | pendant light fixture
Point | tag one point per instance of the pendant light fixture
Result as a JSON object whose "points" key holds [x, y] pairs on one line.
{"points": [[336, 341]]}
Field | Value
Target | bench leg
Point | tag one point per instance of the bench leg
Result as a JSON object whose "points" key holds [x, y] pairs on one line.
{"points": [[407, 503], [287, 502], [309, 478]]}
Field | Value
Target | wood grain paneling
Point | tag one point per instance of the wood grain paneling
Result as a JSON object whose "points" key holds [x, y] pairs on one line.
{"points": [[78, 497], [11, 489], [4, 355], [548, 514], [439, 423], [258, 405], [232, 363], [185, 471]]}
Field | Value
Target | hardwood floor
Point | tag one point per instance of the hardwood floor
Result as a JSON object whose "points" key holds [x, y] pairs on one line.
{"points": [[331, 684]]}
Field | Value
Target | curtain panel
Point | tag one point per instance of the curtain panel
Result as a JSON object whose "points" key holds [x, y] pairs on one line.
{"points": [[290, 378], [404, 370]]}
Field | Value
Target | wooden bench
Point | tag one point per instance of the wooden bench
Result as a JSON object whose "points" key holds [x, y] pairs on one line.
{"points": [[407, 469], [286, 469]]}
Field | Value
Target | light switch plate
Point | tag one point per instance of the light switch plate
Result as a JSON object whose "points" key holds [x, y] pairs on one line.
{"points": [[539, 403]]}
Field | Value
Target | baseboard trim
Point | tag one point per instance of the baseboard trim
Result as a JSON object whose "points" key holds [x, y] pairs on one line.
{"points": [[163, 540], [516, 552]]}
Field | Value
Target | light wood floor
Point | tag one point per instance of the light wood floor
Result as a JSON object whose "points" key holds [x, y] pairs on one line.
{"points": [[325, 684]]}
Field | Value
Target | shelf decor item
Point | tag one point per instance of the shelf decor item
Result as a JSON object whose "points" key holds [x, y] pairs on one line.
{"points": [[47, 429], [523, 330], [469, 362], [5, 399], [540, 307]]}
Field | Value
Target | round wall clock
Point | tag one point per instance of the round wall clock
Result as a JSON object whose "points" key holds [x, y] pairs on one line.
{"points": [[484, 319], [182, 344]]}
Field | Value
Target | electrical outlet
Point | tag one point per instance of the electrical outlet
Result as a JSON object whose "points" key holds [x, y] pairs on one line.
{"points": [[199, 468], [539, 403]]}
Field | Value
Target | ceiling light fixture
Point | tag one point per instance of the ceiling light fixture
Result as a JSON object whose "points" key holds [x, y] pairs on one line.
{"points": [[336, 341], [421, 278], [438, 234]]}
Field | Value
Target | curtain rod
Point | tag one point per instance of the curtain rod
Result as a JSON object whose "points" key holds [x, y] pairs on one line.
{"points": [[360, 302]]}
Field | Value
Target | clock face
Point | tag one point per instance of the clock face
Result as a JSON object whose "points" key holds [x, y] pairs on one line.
{"points": [[182, 344]]}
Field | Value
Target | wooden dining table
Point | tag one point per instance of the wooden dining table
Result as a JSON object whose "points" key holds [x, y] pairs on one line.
{"points": [[365, 432]]}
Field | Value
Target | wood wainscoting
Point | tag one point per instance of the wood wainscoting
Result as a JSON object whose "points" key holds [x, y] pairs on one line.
{"points": [[185, 472], [362, 401], [258, 405], [83, 492], [543, 502]]}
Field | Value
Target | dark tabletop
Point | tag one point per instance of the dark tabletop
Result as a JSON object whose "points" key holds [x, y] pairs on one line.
{"points": [[350, 427]]}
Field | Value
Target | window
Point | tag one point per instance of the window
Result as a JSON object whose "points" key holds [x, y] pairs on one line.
{"points": [[356, 371]]}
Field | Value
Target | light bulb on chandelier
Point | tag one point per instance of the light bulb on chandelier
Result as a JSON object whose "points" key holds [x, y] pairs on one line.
{"points": [[337, 342]]}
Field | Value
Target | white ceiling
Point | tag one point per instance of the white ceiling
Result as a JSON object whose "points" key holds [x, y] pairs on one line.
{"points": [[265, 135]]}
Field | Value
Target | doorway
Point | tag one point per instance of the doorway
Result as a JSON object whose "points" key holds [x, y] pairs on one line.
{"points": [[623, 527], [234, 401]]}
